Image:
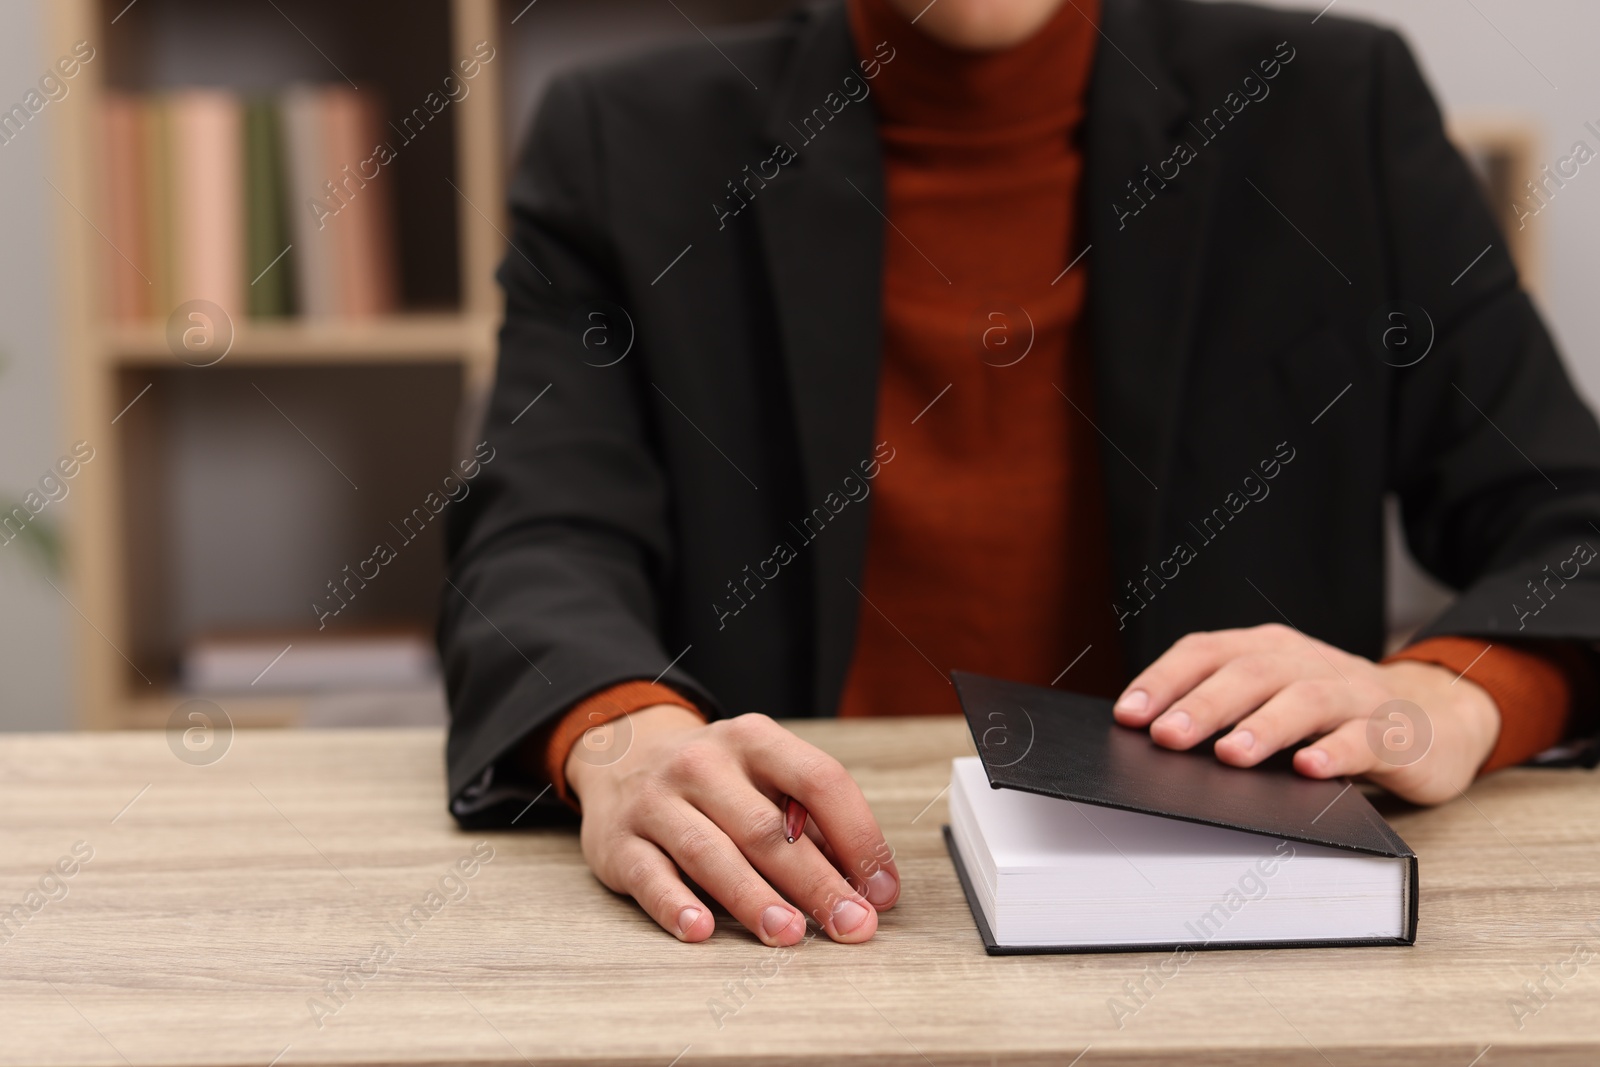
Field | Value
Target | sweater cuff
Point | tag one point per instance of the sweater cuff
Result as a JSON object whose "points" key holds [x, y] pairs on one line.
{"points": [[1533, 688], [593, 712]]}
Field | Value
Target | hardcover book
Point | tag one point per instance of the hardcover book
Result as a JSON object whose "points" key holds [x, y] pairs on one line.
{"points": [[1072, 833]]}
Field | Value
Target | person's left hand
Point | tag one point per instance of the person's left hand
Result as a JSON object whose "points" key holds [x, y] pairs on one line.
{"points": [[1277, 687]]}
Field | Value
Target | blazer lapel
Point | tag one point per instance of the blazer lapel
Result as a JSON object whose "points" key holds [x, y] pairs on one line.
{"points": [[822, 237], [823, 242], [1145, 272]]}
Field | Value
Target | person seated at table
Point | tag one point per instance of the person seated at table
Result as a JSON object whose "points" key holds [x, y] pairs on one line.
{"points": [[1076, 343]]}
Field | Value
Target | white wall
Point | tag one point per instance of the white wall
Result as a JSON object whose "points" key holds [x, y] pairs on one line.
{"points": [[1493, 57], [35, 626]]}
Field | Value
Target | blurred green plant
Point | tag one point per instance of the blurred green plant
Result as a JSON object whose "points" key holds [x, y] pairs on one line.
{"points": [[39, 538]]}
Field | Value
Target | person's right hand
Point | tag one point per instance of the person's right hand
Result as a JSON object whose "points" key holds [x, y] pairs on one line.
{"points": [[704, 798]]}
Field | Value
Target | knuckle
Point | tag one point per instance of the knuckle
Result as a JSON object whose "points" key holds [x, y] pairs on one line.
{"points": [[1275, 632], [867, 843], [629, 819], [694, 847], [751, 726], [637, 875], [607, 870], [656, 897], [1332, 690], [1258, 666], [762, 827], [824, 892], [1310, 694], [745, 896], [602, 840], [693, 763], [614, 862], [650, 793], [825, 777]]}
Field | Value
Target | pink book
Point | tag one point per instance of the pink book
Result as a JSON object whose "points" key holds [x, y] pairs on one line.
{"points": [[128, 291], [362, 230], [208, 199]]}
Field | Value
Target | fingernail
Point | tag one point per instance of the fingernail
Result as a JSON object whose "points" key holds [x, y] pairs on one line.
{"points": [[1317, 758], [1242, 739], [848, 915], [1133, 702], [1176, 720], [881, 888], [686, 919], [774, 921]]}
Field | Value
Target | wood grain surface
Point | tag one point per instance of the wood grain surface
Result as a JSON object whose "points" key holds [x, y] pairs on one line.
{"points": [[221, 902]]}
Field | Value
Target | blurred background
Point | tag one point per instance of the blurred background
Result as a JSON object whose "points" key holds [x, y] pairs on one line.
{"points": [[229, 429]]}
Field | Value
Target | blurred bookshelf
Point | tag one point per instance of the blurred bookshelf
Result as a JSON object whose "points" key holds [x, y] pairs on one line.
{"points": [[228, 495], [223, 498], [390, 338], [228, 492]]}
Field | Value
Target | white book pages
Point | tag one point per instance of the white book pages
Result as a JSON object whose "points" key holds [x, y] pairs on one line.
{"points": [[1048, 871]]}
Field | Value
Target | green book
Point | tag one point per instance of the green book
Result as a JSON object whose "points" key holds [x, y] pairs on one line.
{"points": [[158, 205], [267, 268]]}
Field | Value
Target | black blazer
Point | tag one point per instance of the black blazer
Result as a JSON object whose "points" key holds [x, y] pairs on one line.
{"points": [[679, 385]]}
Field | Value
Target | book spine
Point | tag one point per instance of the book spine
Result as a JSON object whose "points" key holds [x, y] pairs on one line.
{"points": [[268, 266], [129, 286], [157, 136], [208, 184], [1413, 894], [348, 194], [359, 193], [383, 251], [316, 280], [378, 258]]}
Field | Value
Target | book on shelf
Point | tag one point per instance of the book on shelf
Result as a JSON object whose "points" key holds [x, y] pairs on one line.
{"points": [[207, 180], [1072, 833], [360, 237], [266, 214], [126, 141], [266, 206], [305, 151], [156, 122]]}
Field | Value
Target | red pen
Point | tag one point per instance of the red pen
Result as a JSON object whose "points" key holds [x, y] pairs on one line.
{"points": [[794, 819]]}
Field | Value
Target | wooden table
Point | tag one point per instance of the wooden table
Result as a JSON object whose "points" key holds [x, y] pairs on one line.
{"points": [[222, 900]]}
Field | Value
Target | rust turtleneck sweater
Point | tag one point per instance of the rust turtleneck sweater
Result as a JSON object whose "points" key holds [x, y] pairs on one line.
{"points": [[987, 545]]}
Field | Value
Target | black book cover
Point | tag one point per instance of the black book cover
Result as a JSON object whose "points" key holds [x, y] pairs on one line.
{"points": [[1066, 745]]}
